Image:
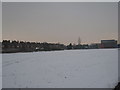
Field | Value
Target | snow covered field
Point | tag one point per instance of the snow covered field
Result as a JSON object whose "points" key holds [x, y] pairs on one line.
{"points": [[96, 68]]}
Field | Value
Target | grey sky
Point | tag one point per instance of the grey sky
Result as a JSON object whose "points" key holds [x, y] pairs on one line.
{"points": [[60, 22], [0, 21], [60, 0]]}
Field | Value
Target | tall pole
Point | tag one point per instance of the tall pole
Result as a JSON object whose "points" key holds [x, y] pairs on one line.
{"points": [[79, 41]]}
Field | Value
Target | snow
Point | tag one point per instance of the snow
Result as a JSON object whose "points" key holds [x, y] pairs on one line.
{"points": [[0, 72], [95, 68], [119, 64]]}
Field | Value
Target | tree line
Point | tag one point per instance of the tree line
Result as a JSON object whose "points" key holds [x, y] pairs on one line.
{"points": [[21, 46]]}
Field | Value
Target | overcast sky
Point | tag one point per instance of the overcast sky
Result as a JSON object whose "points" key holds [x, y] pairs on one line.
{"points": [[60, 22], [0, 21], [60, 0]]}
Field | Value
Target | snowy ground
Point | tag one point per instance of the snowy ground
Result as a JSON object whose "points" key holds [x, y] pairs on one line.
{"points": [[0, 71], [96, 68], [119, 64]]}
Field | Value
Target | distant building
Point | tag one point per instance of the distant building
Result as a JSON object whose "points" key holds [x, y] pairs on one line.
{"points": [[77, 46], [118, 45], [85, 46], [95, 46], [0, 47], [108, 44]]}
